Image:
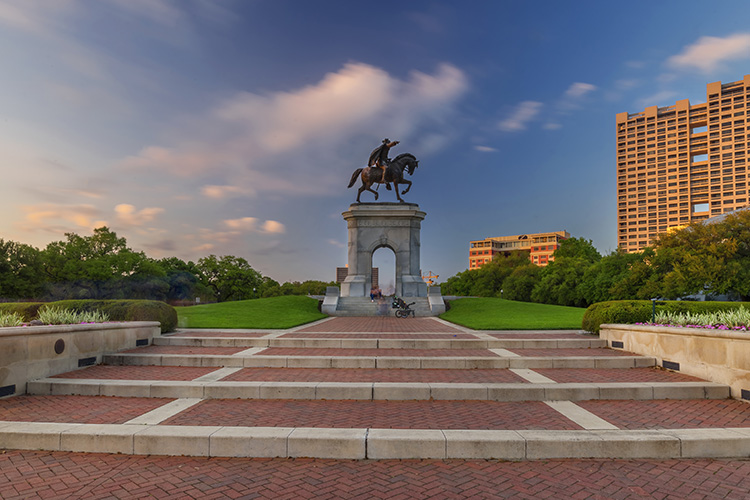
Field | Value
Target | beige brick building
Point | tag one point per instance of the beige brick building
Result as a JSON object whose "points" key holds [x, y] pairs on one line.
{"points": [[540, 247], [681, 163]]}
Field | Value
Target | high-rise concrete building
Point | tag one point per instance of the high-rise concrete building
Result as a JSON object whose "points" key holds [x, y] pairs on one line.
{"points": [[681, 163], [540, 246]]}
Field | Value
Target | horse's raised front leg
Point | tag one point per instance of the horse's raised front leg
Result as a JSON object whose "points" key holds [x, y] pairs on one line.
{"points": [[408, 187]]}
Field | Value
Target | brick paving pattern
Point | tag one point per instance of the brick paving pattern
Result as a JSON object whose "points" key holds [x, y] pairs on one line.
{"points": [[37, 475], [380, 353], [381, 324], [184, 350], [106, 372], [530, 353], [596, 375], [212, 334], [76, 409], [374, 414], [672, 413], [374, 335], [500, 376]]}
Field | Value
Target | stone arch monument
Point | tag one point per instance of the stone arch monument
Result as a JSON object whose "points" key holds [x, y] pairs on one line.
{"points": [[376, 225]]}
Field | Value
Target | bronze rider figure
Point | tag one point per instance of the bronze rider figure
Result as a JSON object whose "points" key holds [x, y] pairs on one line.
{"points": [[379, 157]]}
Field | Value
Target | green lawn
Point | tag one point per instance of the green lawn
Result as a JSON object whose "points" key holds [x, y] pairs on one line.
{"points": [[499, 314], [275, 312]]}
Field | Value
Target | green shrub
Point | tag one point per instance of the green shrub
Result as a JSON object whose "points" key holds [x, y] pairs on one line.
{"points": [[27, 310], [10, 319], [115, 310], [639, 311], [127, 310]]}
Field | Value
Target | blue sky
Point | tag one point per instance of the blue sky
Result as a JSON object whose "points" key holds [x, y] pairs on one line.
{"points": [[232, 127]]}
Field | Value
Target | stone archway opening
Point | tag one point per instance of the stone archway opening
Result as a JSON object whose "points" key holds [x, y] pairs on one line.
{"points": [[384, 260], [377, 225]]}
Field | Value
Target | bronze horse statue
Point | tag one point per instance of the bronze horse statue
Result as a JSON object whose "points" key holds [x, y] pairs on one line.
{"points": [[394, 173]]}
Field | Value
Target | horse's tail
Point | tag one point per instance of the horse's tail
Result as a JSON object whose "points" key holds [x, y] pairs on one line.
{"points": [[354, 177]]}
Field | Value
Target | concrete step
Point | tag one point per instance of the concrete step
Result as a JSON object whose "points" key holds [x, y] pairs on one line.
{"points": [[380, 391], [384, 362], [365, 443], [363, 306], [196, 395], [380, 343], [523, 431]]}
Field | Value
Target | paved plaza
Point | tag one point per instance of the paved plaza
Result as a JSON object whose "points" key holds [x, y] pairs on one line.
{"points": [[374, 408]]}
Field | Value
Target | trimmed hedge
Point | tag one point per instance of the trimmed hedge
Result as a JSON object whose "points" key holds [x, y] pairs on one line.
{"points": [[117, 310], [27, 310], [629, 312]]}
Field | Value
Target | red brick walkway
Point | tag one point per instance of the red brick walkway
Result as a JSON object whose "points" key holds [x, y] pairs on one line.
{"points": [[105, 372], [374, 375], [378, 335], [212, 334], [381, 324], [411, 353], [569, 352], [76, 409], [672, 413], [593, 375], [56, 475], [374, 414], [185, 350]]}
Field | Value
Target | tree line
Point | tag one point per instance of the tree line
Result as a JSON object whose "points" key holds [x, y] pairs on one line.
{"points": [[102, 266], [710, 258]]}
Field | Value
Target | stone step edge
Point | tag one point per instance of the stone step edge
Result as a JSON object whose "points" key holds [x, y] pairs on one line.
{"points": [[383, 343], [284, 442], [381, 390], [382, 362]]}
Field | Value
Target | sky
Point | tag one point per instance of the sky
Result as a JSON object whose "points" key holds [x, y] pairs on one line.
{"points": [[232, 127]]}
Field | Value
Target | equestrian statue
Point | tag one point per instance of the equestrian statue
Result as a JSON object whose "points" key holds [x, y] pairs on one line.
{"points": [[382, 170]]}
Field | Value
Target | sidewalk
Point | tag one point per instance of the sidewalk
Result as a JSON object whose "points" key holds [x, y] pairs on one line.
{"points": [[375, 388]]}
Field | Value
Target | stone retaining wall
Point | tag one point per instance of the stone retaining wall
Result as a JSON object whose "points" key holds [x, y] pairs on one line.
{"points": [[721, 356], [32, 352]]}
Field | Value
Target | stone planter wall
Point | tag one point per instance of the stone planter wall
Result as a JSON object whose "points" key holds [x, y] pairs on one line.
{"points": [[32, 352], [721, 356]]}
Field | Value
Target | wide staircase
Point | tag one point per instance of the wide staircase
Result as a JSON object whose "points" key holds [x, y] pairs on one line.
{"points": [[378, 387], [364, 306]]}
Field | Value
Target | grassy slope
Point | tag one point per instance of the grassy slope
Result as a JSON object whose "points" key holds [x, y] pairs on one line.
{"points": [[499, 314], [276, 312]]}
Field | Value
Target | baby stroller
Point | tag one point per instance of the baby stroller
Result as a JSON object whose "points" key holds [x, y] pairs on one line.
{"points": [[402, 308]]}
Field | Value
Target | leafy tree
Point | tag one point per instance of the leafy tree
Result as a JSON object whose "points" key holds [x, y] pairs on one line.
{"points": [[520, 283], [98, 266], [229, 277], [21, 275], [561, 280], [579, 248], [711, 257], [605, 279]]}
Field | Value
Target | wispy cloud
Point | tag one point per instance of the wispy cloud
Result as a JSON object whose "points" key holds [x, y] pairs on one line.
{"points": [[579, 89], [251, 224], [268, 142], [60, 218], [520, 117], [662, 98], [709, 52], [128, 215], [485, 149]]}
